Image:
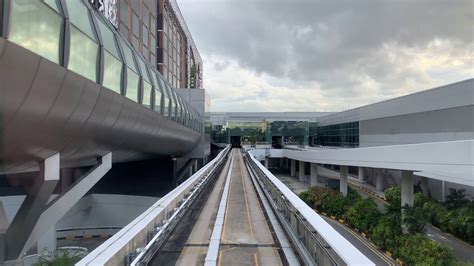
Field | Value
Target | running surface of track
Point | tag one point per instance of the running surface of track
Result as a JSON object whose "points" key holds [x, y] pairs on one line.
{"points": [[246, 237]]}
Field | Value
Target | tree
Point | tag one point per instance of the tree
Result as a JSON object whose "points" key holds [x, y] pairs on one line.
{"points": [[414, 219], [456, 199]]}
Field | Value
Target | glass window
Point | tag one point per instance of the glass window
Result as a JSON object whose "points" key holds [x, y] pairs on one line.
{"points": [[83, 54], [123, 11], [157, 101], [36, 27], [128, 55], [132, 85], [146, 94], [143, 69], [112, 72], [79, 16], [108, 38], [135, 24], [145, 35]]}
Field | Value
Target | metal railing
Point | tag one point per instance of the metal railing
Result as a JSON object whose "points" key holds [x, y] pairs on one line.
{"points": [[314, 240], [139, 240]]}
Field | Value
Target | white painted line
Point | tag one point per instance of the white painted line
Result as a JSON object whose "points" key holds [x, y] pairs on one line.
{"points": [[215, 241]]}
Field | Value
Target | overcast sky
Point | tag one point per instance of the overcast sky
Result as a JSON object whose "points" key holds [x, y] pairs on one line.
{"points": [[309, 55]]}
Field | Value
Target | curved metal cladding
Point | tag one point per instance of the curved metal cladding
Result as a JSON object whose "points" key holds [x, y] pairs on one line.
{"points": [[46, 108]]}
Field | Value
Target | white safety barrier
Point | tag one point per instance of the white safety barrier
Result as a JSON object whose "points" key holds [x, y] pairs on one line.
{"points": [[344, 250], [136, 234]]}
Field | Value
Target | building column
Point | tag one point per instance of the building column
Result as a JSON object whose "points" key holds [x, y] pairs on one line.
{"points": [[292, 167], [190, 171], [425, 188], [343, 180], [281, 163], [407, 193], [41, 229], [361, 174], [443, 190], [32, 208], [407, 188], [379, 180], [266, 162], [313, 180], [195, 166], [301, 176]]}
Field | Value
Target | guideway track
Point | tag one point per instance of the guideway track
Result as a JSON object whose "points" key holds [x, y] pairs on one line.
{"points": [[242, 237]]}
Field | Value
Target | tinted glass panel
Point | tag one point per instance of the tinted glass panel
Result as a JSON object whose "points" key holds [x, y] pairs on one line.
{"points": [[143, 69], [108, 38], [112, 72], [128, 55], [132, 85], [158, 101], [83, 54], [79, 16], [36, 27], [146, 94]]}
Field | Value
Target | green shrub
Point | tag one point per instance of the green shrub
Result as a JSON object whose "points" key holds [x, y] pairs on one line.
{"points": [[335, 205], [414, 219], [363, 215], [418, 249], [386, 233], [394, 199]]}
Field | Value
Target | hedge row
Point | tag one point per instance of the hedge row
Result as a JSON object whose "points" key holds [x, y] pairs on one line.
{"points": [[383, 228]]}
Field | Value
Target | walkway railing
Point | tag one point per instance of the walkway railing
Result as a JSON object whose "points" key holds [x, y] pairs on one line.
{"points": [[314, 239], [145, 234]]}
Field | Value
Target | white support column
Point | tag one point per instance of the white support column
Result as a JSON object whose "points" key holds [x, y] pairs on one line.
{"points": [[313, 181], [190, 171], [343, 180], [195, 166], [22, 225], [425, 187], [379, 180], [407, 188], [361, 174], [292, 167], [301, 176], [443, 190], [407, 193], [63, 203], [266, 162]]}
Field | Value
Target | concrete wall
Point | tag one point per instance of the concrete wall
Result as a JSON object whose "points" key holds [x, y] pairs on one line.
{"points": [[430, 126], [93, 210]]}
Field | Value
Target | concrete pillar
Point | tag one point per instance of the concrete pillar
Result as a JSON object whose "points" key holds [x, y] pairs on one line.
{"points": [[425, 188], [292, 167], [343, 180], [301, 176], [31, 209], [287, 162], [379, 180], [281, 163], [190, 171], [195, 166], [407, 193], [48, 240], [407, 188], [313, 180], [443, 190], [266, 162], [361, 174], [33, 229]]}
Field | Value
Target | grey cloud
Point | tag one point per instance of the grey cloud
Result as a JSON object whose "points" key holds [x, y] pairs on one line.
{"points": [[326, 41]]}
